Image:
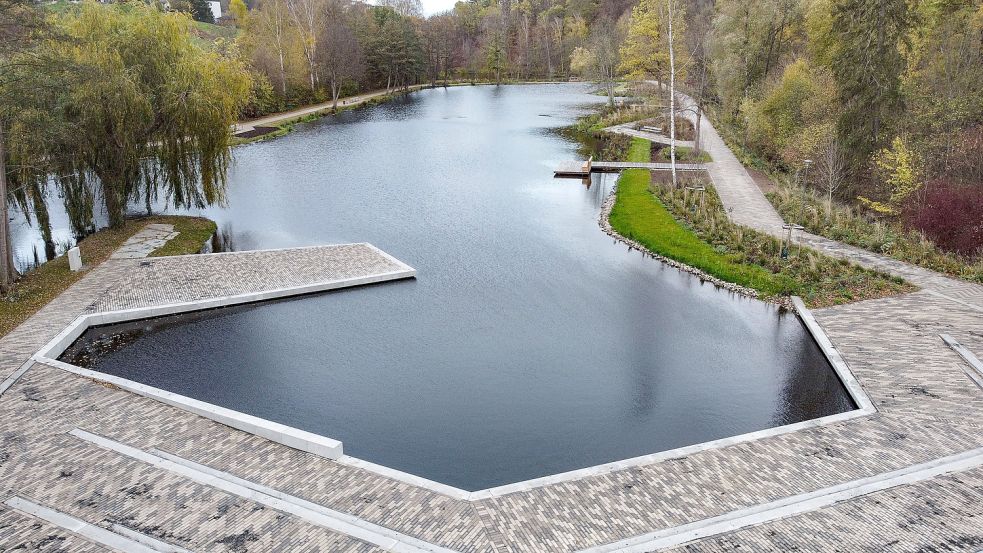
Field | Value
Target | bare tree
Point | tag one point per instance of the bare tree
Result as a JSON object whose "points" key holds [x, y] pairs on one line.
{"points": [[272, 21], [599, 58], [406, 8], [340, 54], [672, 98], [698, 42], [605, 42], [831, 168], [307, 15], [547, 33]]}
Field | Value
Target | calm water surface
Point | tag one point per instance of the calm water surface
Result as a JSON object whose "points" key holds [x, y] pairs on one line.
{"points": [[530, 343]]}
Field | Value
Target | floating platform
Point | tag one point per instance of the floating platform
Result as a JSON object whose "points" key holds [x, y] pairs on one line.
{"points": [[582, 169]]}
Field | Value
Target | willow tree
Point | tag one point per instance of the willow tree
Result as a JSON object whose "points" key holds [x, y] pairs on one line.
{"points": [[144, 112], [21, 26]]}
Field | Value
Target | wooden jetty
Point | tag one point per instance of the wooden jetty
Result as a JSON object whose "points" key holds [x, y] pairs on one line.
{"points": [[580, 169]]}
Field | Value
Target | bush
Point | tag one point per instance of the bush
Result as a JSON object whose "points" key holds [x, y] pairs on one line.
{"points": [[951, 216], [263, 100], [884, 236]]}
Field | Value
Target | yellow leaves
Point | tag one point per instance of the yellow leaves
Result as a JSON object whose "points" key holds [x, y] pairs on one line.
{"points": [[900, 168], [877, 207], [239, 11], [581, 60], [645, 51], [795, 115]]}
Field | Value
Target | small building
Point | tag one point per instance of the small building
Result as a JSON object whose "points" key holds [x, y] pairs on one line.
{"points": [[216, 9]]}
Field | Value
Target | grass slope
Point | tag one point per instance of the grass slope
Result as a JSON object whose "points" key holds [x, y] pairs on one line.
{"points": [[638, 215], [675, 224]]}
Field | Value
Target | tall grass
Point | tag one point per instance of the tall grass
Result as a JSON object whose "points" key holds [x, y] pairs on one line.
{"points": [[850, 225], [682, 225]]}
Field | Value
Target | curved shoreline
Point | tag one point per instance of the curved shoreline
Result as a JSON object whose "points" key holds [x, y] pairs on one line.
{"points": [[605, 224]]}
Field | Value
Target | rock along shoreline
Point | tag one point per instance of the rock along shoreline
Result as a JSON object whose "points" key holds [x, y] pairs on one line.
{"points": [[604, 222]]}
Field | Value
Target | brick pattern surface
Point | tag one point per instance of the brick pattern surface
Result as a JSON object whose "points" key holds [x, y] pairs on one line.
{"points": [[942, 514], [20, 532], [189, 278], [927, 408]]}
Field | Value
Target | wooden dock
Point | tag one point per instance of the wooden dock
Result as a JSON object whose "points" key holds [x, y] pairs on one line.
{"points": [[582, 169]]}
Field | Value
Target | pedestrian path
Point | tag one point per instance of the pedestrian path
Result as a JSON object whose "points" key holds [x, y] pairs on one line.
{"points": [[143, 243], [747, 205], [278, 118]]}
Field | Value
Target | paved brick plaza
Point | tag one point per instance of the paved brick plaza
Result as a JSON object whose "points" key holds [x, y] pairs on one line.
{"points": [[927, 409]]}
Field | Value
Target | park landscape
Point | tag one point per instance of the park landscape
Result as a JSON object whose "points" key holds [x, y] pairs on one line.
{"points": [[609, 276]]}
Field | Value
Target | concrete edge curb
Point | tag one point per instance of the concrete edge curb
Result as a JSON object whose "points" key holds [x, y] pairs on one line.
{"points": [[119, 538], [850, 382], [286, 435], [791, 506], [273, 431], [349, 525], [975, 371]]}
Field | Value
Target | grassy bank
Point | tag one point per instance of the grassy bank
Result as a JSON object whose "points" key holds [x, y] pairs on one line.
{"points": [[680, 225], [38, 287]]}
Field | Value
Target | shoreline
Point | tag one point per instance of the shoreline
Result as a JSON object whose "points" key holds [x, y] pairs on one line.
{"points": [[603, 221]]}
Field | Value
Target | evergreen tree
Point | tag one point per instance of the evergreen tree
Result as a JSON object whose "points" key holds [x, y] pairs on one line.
{"points": [[867, 65], [202, 11]]}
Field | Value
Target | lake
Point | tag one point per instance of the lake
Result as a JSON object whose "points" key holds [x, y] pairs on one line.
{"points": [[530, 342]]}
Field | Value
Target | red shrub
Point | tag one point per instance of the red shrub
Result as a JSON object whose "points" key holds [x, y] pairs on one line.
{"points": [[950, 215]]}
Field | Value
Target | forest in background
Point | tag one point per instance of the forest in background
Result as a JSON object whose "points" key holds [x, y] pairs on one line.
{"points": [[116, 103], [884, 97]]}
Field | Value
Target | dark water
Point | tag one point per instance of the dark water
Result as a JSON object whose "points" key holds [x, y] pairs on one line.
{"points": [[529, 344]]}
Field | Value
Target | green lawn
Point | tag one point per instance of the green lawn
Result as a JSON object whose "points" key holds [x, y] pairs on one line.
{"points": [[680, 225], [638, 215], [38, 287]]}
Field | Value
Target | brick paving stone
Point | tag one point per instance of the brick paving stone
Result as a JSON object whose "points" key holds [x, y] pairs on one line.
{"points": [[944, 514], [20, 532], [927, 408]]}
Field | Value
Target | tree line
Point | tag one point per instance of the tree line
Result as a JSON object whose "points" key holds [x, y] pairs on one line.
{"points": [[301, 51], [884, 97], [114, 104]]}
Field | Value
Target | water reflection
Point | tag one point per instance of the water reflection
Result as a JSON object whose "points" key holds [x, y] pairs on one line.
{"points": [[531, 342]]}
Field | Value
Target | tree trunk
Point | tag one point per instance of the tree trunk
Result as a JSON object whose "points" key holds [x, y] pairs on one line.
{"points": [[7, 272], [335, 91], [672, 100], [696, 132], [115, 204], [283, 75]]}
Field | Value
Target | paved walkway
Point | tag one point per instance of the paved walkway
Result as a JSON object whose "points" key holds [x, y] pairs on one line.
{"points": [[278, 118], [659, 138], [143, 243], [927, 409], [116, 462], [747, 205]]}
